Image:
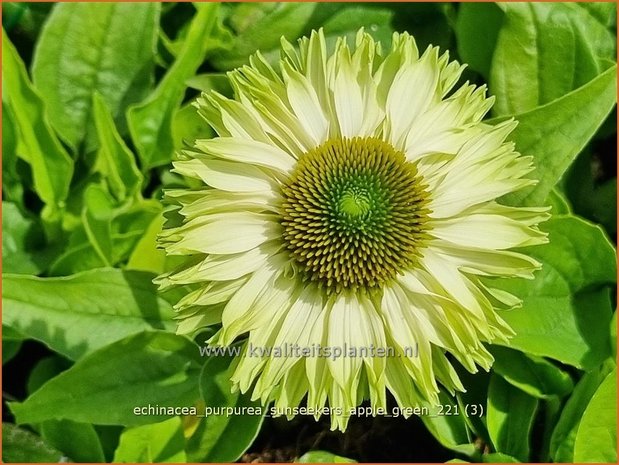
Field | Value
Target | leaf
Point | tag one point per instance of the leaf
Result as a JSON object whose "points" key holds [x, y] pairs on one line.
{"points": [[223, 437], [22, 446], [188, 125], [52, 168], [566, 308], [564, 434], [18, 240], [596, 439], [10, 348], [105, 387], [79, 441], [114, 159], [449, 429], [477, 30], [533, 375], [497, 457], [545, 50], [77, 314], [12, 188], [150, 122], [146, 255], [156, 443], [555, 133], [97, 218], [510, 417], [106, 48], [260, 26], [320, 456]]}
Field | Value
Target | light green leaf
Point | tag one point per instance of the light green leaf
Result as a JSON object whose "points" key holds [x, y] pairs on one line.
{"points": [[22, 446], [188, 125], [106, 48], [77, 314], [568, 294], [79, 441], [543, 51], [114, 159], [156, 443], [555, 133], [105, 387], [497, 457], [510, 417], [222, 437], [146, 255], [596, 439], [150, 122], [534, 375], [564, 434], [320, 456], [52, 168], [18, 240], [477, 29]]}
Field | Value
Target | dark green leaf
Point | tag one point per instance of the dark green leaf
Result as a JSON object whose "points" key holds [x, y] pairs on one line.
{"points": [[77, 314], [21, 446], [105, 387], [106, 48], [222, 437], [510, 417], [534, 375]]}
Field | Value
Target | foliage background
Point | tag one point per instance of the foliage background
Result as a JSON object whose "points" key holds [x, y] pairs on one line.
{"points": [[96, 100]]}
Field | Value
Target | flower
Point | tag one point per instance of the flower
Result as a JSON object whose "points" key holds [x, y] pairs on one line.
{"points": [[349, 201]]}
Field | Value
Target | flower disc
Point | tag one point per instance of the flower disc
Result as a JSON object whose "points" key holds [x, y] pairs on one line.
{"points": [[353, 213]]}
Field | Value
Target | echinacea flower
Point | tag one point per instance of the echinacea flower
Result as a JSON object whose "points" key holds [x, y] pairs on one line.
{"points": [[350, 200]]}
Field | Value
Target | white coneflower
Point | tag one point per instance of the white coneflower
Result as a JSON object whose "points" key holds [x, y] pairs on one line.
{"points": [[350, 201]]}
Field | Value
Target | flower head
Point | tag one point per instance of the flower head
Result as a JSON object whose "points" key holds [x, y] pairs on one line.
{"points": [[349, 202]]}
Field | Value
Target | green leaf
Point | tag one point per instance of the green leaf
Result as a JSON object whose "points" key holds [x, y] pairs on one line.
{"points": [[150, 122], [448, 427], [223, 437], [21, 446], [146, 255], [568, 294], [44, 370], [554, 133], [497, 457], [97, 218], [52, 168], [533, 375], [106, 48], [510, 417], [545, 50], [320, 456], [79, 441], [77, 314], [477, 30], [260, 26], [10, 349], [12, 188], [596, 439], [105, 387], [564, 434], [18, 240], [156, 443], [188, 125], [114, 159]]}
